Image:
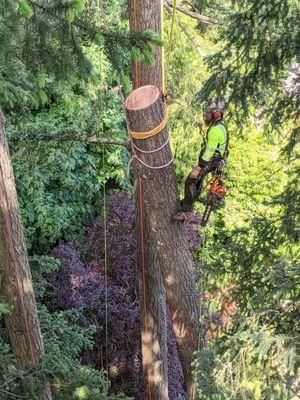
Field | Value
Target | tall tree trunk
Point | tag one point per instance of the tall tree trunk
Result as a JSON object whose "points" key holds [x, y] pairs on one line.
{"points": [[160, 196], [153, 297], [16, 285], [154, 309], [146, 14]]}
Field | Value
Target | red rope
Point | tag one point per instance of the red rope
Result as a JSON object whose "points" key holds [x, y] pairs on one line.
{"points": [[20, 292], [135, 28], [147, 331]]}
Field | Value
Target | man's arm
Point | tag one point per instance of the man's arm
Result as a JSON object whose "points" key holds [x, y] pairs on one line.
{"points": [[211, 147]]}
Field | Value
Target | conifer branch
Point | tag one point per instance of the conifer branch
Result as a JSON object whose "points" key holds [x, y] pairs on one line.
{"points": [[95, 139], [194, 15], [185, 31]]}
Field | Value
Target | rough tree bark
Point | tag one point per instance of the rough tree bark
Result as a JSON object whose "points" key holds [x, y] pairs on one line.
{"points": [[166, 248], [16, 285], [146, 14], [161, 203], [153, 297]]}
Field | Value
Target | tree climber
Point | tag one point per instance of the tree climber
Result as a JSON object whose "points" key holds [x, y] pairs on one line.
{"points": [[213, 151]]}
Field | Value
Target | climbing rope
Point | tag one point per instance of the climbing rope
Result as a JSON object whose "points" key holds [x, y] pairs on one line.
{"points": [[145, 135], [165, 73], [135, 28], [164, 83], [136, 157], [104, 212], [148, 350]]}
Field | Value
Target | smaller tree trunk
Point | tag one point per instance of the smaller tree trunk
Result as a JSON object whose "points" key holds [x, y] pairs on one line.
{"points": [[16, 285]]}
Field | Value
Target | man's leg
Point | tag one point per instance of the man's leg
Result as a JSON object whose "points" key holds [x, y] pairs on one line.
{"points": [[189, 194], [192, 189], [210, 167], [204, 171]]}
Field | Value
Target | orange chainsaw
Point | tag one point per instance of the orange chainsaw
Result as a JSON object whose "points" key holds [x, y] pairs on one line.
{"points": [[215, 196]]}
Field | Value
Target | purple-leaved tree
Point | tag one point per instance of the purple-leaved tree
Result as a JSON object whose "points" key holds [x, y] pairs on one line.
{"points": [[80, 283]]}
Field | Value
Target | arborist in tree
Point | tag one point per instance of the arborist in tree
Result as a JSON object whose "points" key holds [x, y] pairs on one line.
{"points": [[213, 153]]}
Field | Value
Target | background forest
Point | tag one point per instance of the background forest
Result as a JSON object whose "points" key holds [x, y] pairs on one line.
{"points": [[62, 63]]}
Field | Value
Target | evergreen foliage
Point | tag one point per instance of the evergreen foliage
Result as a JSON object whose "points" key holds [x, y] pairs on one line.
{"points": [[43, 49], [61, 368], [259, 47]]}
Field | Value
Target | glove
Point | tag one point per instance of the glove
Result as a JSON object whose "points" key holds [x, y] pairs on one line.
{"points": [[196, 171]]}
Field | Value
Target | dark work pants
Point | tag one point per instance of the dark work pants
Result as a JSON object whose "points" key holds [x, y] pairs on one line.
{"points": [[193, 187]]}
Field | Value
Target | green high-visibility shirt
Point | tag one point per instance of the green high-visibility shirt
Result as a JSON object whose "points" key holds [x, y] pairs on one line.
{"points": [[214, 145]]}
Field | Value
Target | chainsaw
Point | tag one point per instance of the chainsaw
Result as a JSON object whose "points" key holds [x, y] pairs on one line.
{"points": [[215, 196]]}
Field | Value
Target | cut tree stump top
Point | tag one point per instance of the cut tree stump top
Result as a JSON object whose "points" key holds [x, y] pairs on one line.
{"points": [[142, 97]]}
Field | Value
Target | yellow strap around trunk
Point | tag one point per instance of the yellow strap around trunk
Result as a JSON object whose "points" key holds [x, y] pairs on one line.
{"points": [[152, 132]]}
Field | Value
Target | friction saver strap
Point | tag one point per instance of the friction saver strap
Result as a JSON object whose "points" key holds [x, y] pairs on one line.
{"points": [[152, 132]]}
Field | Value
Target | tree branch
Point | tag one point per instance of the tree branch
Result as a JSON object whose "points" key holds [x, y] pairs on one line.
{"points": [[185, 31], [95, 139], [194, 15], [18, 154]]}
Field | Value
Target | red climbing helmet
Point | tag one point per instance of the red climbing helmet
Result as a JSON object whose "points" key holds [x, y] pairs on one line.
{"points": [[216, 108]]}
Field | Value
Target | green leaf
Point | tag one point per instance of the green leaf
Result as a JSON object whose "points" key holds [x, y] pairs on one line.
{"points": [[148, 58], [25, 10], [3, 309], [41, 80], [150, 47], [82, 393], [99, 39], [78, 5], [70, 16], [43, 96], [136, 54]]}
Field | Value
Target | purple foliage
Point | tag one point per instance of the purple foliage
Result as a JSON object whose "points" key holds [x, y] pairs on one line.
{"points": [[191, 229], [80, 283]]}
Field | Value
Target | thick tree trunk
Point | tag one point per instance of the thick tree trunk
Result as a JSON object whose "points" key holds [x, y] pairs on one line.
{"points": [[153, 296], [16, 286], [166, 248], [161, 201], [141, 14]]}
